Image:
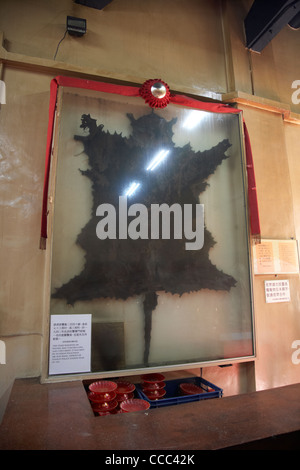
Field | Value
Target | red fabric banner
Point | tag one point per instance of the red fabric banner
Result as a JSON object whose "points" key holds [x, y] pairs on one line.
{"points": [[252, 196], [52, 107], [135, 91]]}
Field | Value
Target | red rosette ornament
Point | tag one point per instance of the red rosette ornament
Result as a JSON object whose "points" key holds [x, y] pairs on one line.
{"points": [[156, 93]]}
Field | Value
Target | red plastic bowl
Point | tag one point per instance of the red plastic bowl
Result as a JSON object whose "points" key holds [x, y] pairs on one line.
{"points": [[106, 406], [190, 388], [153, 386], [124, 396], [101, 397], [102, 386], [152, 378], [155, 394], [135, 404], [125, 387]]}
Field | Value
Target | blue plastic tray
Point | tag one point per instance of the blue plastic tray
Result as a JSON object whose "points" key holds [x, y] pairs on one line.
{"points": [[173, 394]]}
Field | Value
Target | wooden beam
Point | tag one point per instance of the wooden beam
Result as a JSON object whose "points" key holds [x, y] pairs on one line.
{"points": [[258, 102], [54, 68]]}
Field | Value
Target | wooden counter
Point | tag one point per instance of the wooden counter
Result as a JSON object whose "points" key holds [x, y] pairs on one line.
{"points": [[59, 416]]}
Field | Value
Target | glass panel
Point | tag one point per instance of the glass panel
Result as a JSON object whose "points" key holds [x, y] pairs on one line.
{"points": [[157, 298]]}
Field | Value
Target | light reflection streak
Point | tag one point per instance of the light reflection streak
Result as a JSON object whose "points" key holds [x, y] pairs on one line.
{"points": [[157, 160], [132, 188], [193, 119]]}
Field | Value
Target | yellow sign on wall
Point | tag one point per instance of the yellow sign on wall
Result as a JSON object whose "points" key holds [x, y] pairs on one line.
{"points": [[276, 257]]}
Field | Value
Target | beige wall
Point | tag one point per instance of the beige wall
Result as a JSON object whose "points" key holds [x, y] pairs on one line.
{"points": [[275, 147], [197, 47]]}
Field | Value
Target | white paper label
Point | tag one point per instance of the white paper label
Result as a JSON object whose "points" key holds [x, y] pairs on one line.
{"points": [[70, 344], [277, 291]]}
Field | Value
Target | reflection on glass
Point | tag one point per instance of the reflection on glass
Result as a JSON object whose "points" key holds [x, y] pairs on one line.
{"points": [[132, 189], [157, 160], [193, 119]]}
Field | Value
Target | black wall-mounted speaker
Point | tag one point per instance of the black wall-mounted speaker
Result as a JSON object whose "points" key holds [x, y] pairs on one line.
{"points": [[98, 4], [76, 26], [265, 20]]}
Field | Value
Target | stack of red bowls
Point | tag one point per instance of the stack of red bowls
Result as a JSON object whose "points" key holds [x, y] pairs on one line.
{"points": [[102, 395], [153, 386], [126, 401], [124, 391]]}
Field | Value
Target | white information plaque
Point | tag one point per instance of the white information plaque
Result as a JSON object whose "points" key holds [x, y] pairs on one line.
{"points": [[70, 344], [277, 291]]}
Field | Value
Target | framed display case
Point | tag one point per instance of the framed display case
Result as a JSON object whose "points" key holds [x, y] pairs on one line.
{"points": [[146, 216]]}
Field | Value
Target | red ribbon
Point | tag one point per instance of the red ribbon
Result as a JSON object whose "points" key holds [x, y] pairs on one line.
{"points": [[144, 92], [52, 107]]}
